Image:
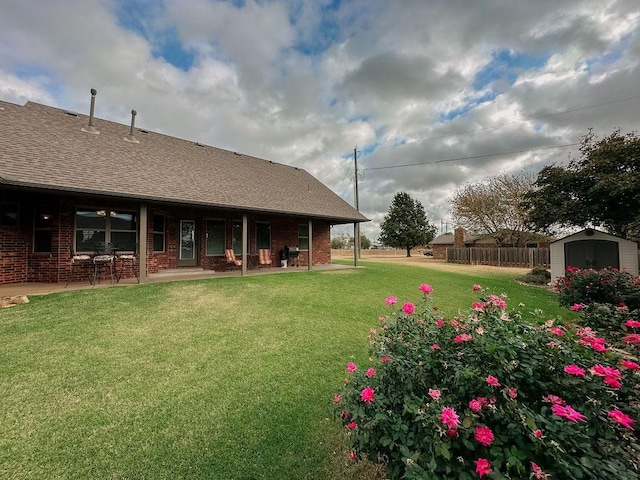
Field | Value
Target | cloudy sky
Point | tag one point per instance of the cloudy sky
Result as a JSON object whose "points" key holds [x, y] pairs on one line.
{"points": [[434, 94]]}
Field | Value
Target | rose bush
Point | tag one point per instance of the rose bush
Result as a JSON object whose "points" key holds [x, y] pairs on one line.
{"points": [[487, 395], [607, 286]]}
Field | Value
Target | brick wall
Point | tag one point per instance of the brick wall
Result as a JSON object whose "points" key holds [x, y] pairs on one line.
{"points": [[18, 262]]}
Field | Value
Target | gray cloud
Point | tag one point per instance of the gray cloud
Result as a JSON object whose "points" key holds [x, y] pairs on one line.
{"points": [[303, 82]]}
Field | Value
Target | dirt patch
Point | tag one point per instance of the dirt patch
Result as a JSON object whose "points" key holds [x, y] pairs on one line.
{"points": [[430, 263]]}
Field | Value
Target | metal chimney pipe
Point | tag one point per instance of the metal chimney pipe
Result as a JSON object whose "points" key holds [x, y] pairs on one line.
{"points": [[93, 106], [131, 137], [90, 128], [133, 122]]}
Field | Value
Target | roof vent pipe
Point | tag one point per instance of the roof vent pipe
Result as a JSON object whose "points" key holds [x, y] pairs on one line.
{"points": [[90, 128], [131, 137]]}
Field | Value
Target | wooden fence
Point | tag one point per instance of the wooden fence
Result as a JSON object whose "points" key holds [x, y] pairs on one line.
{"points": [[504, 257]]}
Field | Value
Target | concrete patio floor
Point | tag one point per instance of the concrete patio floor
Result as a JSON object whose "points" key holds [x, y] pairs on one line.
{"points": [[166, 276]]}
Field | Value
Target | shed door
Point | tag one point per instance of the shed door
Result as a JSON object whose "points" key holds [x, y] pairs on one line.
{"points": [[591, 254]]}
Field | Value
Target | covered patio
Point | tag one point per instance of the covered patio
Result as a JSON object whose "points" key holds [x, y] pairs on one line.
{"points": [[42, 288]]}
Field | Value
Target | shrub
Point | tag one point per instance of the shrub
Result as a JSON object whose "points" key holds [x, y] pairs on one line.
{"points": [[487, 394], [605, 317], [590, 286]]}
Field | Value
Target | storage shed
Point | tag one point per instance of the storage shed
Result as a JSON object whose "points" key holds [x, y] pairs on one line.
{"points": [[591, 248]]}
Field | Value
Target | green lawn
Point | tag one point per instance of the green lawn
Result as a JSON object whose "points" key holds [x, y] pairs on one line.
{"points": [[228, 378]]}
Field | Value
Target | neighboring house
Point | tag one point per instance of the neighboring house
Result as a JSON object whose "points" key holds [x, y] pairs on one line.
{"points": [[459, 238], [69, 182], [591, 248]]}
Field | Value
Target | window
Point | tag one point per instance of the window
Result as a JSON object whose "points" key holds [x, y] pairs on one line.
{"points": [[9, 214], [123, 230], [215, 237], [42, 230], [303, 237], [263, 235], [104, 225], [236, 237], [158, 233]]}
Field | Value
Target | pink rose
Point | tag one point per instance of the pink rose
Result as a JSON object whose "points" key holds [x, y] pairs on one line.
{"points": [[351, 367], [620, 418], [352, 425], [391, 300], [367, 395], [493, 381], [449, 417], [435, 394], [574, 370], [475, 405], [476, 288], [370, 372], [483, 467], [484, 436], [426, 289], [408, 308]]}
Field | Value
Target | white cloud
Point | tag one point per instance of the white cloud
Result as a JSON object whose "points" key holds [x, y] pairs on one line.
{"points": [[303, 82]]}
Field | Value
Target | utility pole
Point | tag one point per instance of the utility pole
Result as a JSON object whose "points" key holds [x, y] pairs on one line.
{"points": [[356, 225]]}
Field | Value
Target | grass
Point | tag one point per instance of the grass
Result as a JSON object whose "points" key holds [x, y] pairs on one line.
{"points": [[222, 378]]}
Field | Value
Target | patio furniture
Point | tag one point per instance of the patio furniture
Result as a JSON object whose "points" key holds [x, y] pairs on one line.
{"points": [[104, 259], [231, 258], [80, 264], [127, 261], [264, 257]]}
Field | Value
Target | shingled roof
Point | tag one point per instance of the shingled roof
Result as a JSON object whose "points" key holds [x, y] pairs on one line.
{"points": [[44, 147]]}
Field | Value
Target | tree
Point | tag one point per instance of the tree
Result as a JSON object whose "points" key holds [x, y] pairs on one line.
{"points": [[494, 207], [406, 224], [601, 188], [365, 243], [338, 243]]}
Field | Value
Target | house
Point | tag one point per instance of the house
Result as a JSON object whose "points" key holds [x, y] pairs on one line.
{"points": [[591, 248], [459, 238], [70, 182]]}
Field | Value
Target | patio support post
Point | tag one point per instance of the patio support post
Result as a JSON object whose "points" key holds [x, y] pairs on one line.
{"points": [[142, 243], [310, 255], [245, 257]]}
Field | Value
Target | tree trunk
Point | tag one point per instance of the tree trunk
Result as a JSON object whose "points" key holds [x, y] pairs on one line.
{"points": [[408, 251]]}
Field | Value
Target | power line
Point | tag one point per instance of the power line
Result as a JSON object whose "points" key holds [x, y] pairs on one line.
{"points": [[472, 158]]}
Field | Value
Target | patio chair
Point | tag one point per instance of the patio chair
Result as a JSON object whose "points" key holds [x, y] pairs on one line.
{"points": [[128, 261], [104, 259], [231, 258], [80, 264], [264, 257]]}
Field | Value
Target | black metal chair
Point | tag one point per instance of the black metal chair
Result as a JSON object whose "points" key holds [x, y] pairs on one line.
{"points": [[80, 263], [128, 261], [104, 259]]}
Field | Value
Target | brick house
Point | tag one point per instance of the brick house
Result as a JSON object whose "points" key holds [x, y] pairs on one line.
{"points": [[460, 239], [69, 182]]}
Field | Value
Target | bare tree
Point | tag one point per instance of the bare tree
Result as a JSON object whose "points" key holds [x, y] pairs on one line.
{"points": [[495, 208]]}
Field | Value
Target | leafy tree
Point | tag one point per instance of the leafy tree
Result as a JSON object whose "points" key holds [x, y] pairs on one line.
{"points": [[601, 188], [406, 224], [494, 207], [365, 243]]}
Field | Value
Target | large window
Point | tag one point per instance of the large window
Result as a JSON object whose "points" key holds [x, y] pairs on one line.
{"points": [[215, 237], [95, 227], [263, 235], [158, 232], [9, 214], [303, 237], [42, 230]]}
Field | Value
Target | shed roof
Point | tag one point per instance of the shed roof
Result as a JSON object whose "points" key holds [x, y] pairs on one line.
{"points": [[46, 148]]}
